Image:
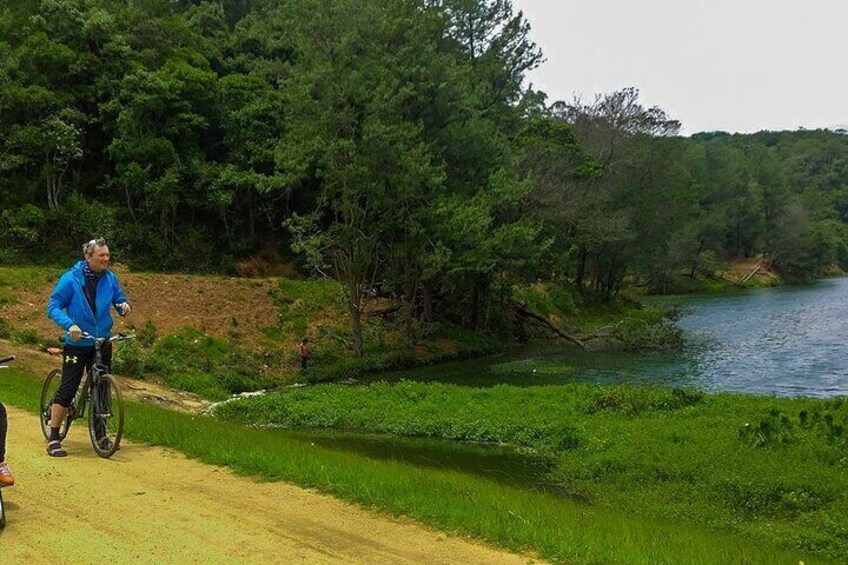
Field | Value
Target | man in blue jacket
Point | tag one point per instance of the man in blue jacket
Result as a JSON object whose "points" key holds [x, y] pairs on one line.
{"points": [[81, 302]]}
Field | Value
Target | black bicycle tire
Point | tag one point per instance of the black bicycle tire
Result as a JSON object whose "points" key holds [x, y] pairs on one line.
{"points": [[45, 405], [93, 413]]}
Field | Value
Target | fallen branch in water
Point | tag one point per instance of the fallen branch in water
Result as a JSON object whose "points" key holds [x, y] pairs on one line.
{"points": [[527, 314]]}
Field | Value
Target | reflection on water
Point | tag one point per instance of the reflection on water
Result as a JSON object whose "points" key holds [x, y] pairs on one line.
{"points": [[790, 341]]}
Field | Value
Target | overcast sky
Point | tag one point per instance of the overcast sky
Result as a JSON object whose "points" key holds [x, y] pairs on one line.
{"points": [[732, 65]]}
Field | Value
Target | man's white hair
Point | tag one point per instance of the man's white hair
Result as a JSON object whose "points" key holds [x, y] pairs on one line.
{"points": [[88, 246]]}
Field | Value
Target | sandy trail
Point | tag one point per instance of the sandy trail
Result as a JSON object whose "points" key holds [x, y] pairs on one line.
{"points": [[153, 505]]}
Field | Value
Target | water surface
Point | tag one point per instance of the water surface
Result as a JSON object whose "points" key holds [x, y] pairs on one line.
{"points": [[788, 341]]}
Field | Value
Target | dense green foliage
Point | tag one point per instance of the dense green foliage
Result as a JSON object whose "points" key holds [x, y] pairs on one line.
{"points": [[558, 529], [770, 468], [393, 147]]}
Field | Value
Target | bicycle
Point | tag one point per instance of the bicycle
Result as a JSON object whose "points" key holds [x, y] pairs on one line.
{"points": [[3, 365], [106, 417]]}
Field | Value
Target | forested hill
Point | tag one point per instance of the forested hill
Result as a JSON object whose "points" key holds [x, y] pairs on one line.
{"points": [[393, 145]]}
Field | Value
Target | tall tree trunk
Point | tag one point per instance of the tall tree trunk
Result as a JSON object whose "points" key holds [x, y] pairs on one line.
{"points": [[427, 303], [695, 260], [581, 269], [52, 194], [410, 293], [354, 304], [475, 302], [356, 327]]}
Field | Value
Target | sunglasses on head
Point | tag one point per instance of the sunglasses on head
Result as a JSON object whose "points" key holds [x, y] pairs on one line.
{"points": [[89, 246]]}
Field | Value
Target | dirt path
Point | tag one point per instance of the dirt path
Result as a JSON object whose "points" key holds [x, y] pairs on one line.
{"points": [[152, 505]]}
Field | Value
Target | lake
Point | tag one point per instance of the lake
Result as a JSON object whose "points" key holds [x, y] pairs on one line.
{"points": [[786, 341]]}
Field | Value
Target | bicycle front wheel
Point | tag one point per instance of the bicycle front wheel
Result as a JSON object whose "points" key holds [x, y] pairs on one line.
{"points": [[48, 391], [106, 417]]}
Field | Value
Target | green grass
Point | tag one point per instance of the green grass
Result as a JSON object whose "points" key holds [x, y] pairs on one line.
{"points": [[701, 284], [767, 468], [16, 279], [299, 302], [206, 365], [556, 528]]}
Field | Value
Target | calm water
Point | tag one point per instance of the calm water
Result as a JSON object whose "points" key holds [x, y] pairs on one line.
{"points": [[790, 341], [785, 341]]}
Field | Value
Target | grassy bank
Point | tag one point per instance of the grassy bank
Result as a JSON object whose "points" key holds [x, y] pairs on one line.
{"points": [[253, 347], [216, 360], [770, 469], [558, 529]]}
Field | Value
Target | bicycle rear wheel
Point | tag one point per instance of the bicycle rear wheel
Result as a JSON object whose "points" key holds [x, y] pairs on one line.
{"points": [[106, 417], [51, 385]]}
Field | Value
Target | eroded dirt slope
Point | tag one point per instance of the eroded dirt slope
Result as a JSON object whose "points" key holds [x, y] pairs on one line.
{"points": [[221, 306]]}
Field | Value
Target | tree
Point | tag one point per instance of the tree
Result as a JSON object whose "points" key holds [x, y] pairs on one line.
{"points": [[348, 135], [623, 138]]}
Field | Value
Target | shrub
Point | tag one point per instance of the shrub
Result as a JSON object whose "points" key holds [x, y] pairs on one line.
{"points": [[22, 226], [5, 329], [207, 365], [128, 359], [146, 335], [641, 335], [27, 337]]}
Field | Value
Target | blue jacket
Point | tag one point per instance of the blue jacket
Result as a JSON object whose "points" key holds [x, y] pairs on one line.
{"points": [[68, 305]]}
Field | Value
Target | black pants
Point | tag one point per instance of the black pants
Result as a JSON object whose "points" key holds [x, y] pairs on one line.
{"points": [[303, 362], [75, 361], [4, 426]]}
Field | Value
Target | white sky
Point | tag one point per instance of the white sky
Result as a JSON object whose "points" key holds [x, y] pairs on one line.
{"points": [[732, 65]]}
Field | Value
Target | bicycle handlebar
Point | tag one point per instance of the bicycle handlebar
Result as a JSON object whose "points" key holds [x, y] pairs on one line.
{"points": [[116, 337]]}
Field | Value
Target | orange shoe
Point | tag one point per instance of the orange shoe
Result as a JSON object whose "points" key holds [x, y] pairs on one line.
{"points": [[6, 478]]}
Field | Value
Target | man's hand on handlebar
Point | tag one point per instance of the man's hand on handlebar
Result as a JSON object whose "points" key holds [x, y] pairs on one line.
{"points": [[75, 333]]}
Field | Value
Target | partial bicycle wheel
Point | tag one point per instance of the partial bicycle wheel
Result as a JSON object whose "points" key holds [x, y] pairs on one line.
{"points": [[106, 417], [51, 385]]}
